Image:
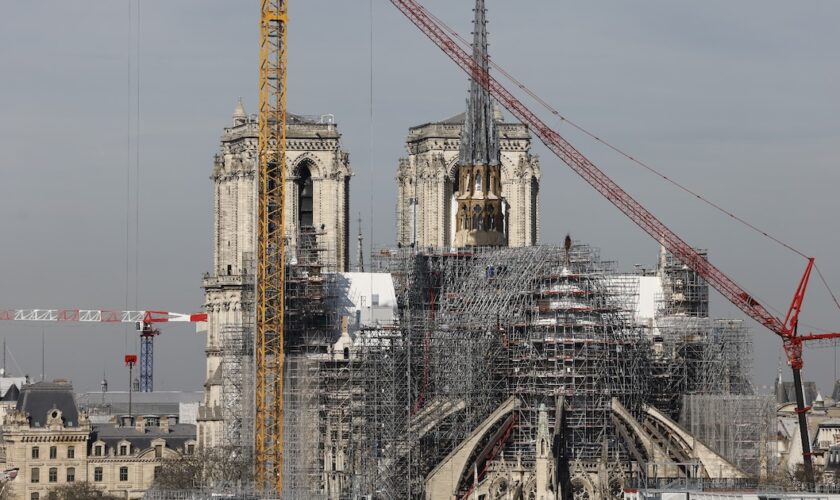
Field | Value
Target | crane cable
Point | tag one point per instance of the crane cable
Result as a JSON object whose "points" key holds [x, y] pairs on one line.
{"points": [[132, 119], [128, 172], [633, 159]]}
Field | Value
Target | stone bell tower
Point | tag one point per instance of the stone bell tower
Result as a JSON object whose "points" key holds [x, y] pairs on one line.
{"points": [[479, 220]]}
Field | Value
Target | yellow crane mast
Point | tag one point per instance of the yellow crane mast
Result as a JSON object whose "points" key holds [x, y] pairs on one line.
{"points": [[269, 352]]}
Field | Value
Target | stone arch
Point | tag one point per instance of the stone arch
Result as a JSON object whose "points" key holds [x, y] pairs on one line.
{"points": [[306, 161], [616, 487], [452, 168], [463, 217], [499, 488], [478, 180], [530, 489], [507, 167], [316, 167], [477, 218], [304, 195], [582, 488], [443, 481]]}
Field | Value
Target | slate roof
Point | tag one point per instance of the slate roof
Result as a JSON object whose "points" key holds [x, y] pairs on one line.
{"points": [[7, 382], [39, 398], [94, 398], [111, 434], [458, 119], [156, 409], [12, 394], [786, 392], [451, 127]]}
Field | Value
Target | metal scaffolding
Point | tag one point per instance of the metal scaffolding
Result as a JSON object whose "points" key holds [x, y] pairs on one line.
{"points": [[310, 331], [548, 324], [577, 348], [238, 388], [370, 412], [740, 427], [692, 353]]}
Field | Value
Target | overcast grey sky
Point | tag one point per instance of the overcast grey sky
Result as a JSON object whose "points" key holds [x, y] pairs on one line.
{"points": [[735, 99]]}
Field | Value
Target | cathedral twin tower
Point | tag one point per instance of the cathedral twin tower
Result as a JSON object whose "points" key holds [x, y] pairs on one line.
{"points": [[469, 180]]}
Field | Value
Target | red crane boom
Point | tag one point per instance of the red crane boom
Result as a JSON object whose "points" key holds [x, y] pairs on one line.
{"points": [[786, 329]]}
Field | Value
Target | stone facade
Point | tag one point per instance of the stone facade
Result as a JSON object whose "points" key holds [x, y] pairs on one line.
{"points": [[427, 183], [53, 444], [317, 194]]}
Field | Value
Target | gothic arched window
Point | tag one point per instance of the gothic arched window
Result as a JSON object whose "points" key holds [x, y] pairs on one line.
{"points": [[305, 195], [478, 177]]}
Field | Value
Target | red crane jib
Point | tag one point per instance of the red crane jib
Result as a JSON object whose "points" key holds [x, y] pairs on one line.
{"points": [[616, 195]]}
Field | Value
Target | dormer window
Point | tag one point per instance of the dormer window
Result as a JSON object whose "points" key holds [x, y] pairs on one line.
{"points": [[124, 449], [54, 418], [98, 450]]}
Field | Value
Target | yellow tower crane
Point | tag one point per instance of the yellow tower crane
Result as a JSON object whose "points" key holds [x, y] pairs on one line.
{"points": [[269, 352]]}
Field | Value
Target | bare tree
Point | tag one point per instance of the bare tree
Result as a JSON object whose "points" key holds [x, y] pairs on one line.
{"points": [[81, 490], [204, 468]]}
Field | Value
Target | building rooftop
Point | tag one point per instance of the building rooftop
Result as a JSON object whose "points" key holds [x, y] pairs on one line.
{"points": [[88, 399], [103, 407], [40, 398], [112, 434], [12, 394], [8, 382]]}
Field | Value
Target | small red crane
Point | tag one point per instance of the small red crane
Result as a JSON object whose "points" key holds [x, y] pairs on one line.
{"points": [[144, 321], [787, 329]]}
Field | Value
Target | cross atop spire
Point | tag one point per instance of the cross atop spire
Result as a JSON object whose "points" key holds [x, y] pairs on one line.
{"points": [[479, 137]]}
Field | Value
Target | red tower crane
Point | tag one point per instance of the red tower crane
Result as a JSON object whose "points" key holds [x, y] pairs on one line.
{"points": [[787, 329], [144, 321]]}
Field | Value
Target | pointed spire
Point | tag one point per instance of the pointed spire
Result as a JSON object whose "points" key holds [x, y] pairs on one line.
{"points": [[239, 115], [360, 258], [479, 137]]}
